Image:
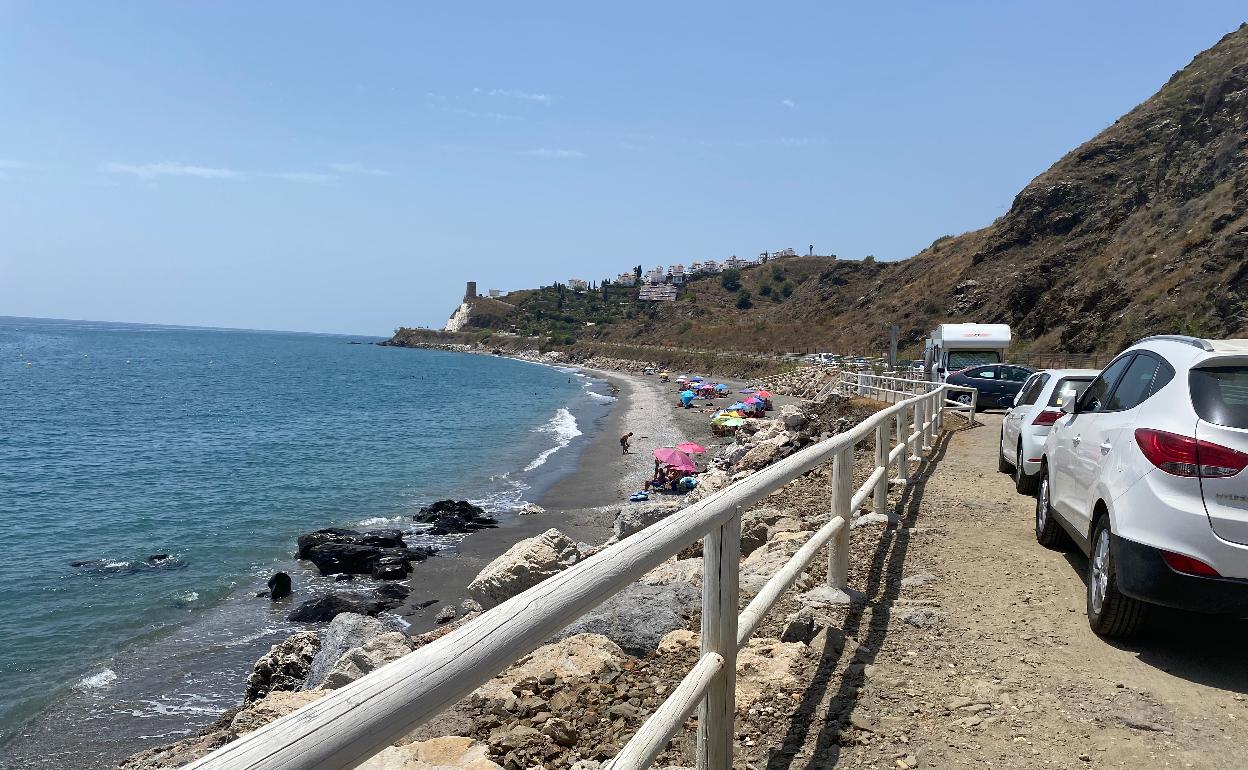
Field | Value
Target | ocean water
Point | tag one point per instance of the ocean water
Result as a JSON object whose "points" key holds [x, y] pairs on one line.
{"points": [[215, 449]]}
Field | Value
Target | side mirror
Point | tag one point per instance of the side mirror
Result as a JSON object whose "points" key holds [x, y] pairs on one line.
{"points": [[1071, 406], [1014, 401]]}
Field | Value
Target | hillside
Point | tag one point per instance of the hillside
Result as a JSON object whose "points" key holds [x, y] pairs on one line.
{"points": [[1143, 229]]}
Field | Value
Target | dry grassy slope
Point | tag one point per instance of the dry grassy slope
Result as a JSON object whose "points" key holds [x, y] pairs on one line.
{"points": [[1142, 229]]}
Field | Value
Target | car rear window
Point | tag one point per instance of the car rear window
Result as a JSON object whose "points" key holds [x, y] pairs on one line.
{"points": [[1220, 395], [1068, 389]]}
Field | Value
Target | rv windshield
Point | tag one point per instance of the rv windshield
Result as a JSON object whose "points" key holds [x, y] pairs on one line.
{"points": [[960, 359]]}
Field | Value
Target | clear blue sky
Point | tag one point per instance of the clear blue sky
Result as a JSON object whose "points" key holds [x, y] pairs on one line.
{"points": [[346, 168]]}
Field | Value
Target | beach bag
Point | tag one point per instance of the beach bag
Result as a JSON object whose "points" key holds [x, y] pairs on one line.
{"points": [[638, 497]]}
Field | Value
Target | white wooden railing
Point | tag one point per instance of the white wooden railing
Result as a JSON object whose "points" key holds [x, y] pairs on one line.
{"points": [[349, 725], [893, 389]]}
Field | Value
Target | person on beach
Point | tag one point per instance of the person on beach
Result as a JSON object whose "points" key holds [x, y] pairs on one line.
{"points": [[624, 443]]}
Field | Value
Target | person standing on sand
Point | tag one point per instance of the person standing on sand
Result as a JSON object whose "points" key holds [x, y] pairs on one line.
{"points": [[624, 443]]}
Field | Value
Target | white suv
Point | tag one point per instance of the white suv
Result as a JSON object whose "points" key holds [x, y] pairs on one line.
{"points": [[1145, 473], [1025, 427]]}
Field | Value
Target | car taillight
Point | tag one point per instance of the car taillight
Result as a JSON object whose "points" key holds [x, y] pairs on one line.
{"points": [[1180, 563], [1047, 417], [1184, 456]]}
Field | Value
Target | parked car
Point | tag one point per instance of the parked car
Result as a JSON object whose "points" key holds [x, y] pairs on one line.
{"points": [[997, 384], [1036, 407], [1144, 472]]}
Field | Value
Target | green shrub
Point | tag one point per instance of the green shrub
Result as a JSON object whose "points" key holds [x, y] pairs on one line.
{"points": [[777, 272], [731, 279], [744, 300], [765, 290], [787, 289]]}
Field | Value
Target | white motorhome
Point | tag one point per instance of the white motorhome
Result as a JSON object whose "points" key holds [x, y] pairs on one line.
{"points": [[951, 347]]}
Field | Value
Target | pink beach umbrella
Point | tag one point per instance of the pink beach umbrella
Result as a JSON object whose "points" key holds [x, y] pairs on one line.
{"points": [[689, 447], [674, 458]]}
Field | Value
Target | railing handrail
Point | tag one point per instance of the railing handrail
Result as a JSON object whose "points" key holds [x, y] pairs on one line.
{"points": [[350, 725]]}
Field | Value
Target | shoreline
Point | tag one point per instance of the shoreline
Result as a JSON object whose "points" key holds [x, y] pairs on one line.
{"points": [[35, 740], [592, 482]]}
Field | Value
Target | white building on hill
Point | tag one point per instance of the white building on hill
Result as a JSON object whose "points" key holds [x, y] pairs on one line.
{"points": [[578, 284], [662, 292], [655, 275], [710, 266], [626, 279], [733, 263]]}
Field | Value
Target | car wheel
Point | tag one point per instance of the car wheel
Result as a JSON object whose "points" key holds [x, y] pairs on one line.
{"points": [[1026, 485], [1048, 532], [1110, 612], [1003, 465], [963, 398]]}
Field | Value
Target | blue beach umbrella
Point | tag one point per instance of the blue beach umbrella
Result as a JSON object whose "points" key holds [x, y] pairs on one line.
{"points": [[740, 405], [687, 396]]}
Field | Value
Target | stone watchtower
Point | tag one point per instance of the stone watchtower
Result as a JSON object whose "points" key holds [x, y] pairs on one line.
{"points": [[471, 292]]}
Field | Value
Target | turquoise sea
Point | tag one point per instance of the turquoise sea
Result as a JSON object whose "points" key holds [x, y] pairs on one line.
{"points": [[217, 448]]}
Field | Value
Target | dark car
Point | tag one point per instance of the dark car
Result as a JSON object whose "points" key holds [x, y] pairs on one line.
{"points": [[997, 384]]}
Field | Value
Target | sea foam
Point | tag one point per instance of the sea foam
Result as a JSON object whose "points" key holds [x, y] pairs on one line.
{"points": [[563, 427]]}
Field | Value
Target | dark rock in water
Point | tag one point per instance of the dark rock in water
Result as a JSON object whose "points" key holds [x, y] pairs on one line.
{"points": [[381, 538], [157, 558], [392, 594], [385, 597], [455, 517], [381, 563], [391, 568], [344, 578], [424, 604], [381, 553], [279, 586]]}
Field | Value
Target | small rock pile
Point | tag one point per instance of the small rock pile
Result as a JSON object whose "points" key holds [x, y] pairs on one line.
{"points": [[803, 382]]}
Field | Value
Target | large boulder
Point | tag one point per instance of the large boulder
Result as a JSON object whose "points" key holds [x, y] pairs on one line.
{"points": [[763, 453], [381, 538], [446, 753], [637, 617], [454, 517], [759, 566], [762, 664], [270, 708], [284, 667], [346, 630], [372, 655], [636, 517], [675, 571], [792, 417], [708, 484], [575, 656], [523, 566], [381, 554], [333, 604]]}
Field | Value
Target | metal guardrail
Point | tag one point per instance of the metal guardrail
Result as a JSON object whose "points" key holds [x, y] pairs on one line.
{"points": [[350, 725]]}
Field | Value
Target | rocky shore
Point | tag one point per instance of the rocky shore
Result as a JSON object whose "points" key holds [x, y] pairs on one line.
{"points": [[575, 701]]}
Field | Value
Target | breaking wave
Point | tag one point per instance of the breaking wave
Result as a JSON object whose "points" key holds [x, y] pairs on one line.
{"points": [[563, 427]]}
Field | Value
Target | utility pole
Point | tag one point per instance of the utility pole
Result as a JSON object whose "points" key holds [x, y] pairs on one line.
{"points": [[893, 333]]}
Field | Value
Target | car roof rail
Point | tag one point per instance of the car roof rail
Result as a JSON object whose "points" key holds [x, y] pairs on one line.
{"points": [[1195, 342]]}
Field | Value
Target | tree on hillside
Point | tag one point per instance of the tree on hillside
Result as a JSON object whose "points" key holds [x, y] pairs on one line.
{"points": [[743, 300], [731, 279]]}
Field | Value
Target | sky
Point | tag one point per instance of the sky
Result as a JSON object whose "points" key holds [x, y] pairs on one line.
{"points": [[347, 167]]}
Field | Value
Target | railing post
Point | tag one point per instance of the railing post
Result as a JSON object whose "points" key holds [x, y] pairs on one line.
{"points": [[926, 437], [721, 562], [842, 495], [916, 425], [881, 464], [899, 422]]}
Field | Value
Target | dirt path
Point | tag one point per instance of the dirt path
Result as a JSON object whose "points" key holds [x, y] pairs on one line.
{"points": [[982, 655]]}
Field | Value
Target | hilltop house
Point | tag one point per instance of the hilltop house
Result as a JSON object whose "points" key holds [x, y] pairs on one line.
{"points": [[578, 284], [626, 279], [662, 292], [655, 275]]}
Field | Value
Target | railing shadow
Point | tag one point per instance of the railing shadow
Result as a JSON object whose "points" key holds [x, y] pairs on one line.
{"points": [[888, 558]]}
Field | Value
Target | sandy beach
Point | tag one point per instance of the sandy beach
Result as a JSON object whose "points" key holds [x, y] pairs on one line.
{"points": [[583, 504]]}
